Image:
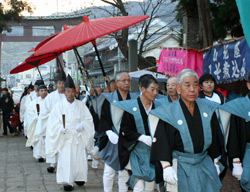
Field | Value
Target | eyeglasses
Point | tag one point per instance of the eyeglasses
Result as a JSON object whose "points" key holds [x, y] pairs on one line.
{"points": [[125, 80]]}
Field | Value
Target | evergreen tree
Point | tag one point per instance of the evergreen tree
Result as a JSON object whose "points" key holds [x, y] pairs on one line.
{"points": [[215, 21]]}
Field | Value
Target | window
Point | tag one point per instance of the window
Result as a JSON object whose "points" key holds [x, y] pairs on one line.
{"points": [[28, 76]]}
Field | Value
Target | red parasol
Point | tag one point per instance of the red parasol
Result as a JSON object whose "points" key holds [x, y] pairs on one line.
{"points": [[22, 67], [32, 50], [30, 65], [88, 31], [46, 40]]}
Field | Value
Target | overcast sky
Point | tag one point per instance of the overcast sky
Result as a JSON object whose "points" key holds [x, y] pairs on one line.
{"points": [[48, 7]]}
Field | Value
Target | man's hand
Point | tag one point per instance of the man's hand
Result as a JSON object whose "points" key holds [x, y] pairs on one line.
{"points": [[169, 175], [79, 127], [113, 138], [146, 139], [237, 170], [217, 168], [63, 130]]}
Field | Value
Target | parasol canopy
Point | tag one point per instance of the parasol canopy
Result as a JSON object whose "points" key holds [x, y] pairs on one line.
{"points": [[32, 64], [87, 31], [46, 40]]}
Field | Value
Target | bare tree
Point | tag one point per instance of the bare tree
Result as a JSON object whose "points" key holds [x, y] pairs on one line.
{"points": [[121, 39], [143, 31]]}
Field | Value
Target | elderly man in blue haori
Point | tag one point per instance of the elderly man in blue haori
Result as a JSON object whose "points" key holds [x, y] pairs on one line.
{"points": [[108, 147], [134, 135], [70, 133], [238, 143], [186, 139]]}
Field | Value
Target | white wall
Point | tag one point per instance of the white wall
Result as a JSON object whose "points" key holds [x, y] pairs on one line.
{"points": [[155, 52]]}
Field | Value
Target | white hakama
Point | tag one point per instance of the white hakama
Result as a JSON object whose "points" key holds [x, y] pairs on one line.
{"points": [[70, 146]]}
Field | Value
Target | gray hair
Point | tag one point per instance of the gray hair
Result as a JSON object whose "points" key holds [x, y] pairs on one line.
{"points": [[186, 73], [112, 82], [172, 77], [118, 74]]}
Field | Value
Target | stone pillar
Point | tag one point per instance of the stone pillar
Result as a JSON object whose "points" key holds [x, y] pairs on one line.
{"points": [[133, 62], [0, 54], [27, 32]]}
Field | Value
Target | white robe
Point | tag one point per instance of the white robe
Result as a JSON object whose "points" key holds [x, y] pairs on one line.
{"points": [[22, 108], [32, 120], [71, 146], [49, 103], [39, 136], [31, 97]]}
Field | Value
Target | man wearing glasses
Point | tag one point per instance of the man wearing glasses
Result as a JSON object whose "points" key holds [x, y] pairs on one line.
{"points": [[108, 148]]}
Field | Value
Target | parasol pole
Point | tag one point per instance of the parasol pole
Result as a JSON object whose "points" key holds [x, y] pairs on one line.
{"points": [[36, 65], [59, 62], [84, 81], [82, 75], [79, 59], [39, 72], [101, 65], [83, 78]]}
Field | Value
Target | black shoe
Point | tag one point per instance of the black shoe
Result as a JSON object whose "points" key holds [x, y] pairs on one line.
{"points": [[51, 169], [31, 147], [41, 160], [68, 188], [80, 183]]}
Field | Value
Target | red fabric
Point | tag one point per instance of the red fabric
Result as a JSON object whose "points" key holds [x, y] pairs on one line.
{"points": [[225, 93], [15, 120], [32, 62], [87, 31], [46, 40], [32, 50], [172, 61]]}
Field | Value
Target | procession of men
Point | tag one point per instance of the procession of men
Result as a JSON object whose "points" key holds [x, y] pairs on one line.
{"points": [[182, 141]]}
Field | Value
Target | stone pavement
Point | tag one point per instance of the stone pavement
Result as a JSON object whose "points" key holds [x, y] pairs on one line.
{"points": [[20, 172]]}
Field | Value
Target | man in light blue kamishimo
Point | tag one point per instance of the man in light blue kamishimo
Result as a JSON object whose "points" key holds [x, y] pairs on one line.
{"points": [[186, 139], [135, 139], [238, 142]]}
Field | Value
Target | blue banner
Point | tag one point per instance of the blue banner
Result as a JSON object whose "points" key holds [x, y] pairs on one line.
{"points": [[228, 62]]}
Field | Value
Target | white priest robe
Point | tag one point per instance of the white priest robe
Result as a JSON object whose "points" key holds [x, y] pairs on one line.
{"points": [[38, 143], [31, 97], [71, 146], [32, 115], [22, 108], [39, 136], [49, 103]]}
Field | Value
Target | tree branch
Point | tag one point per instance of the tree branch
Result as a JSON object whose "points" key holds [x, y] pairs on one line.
{"points": [[108, 2]]}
